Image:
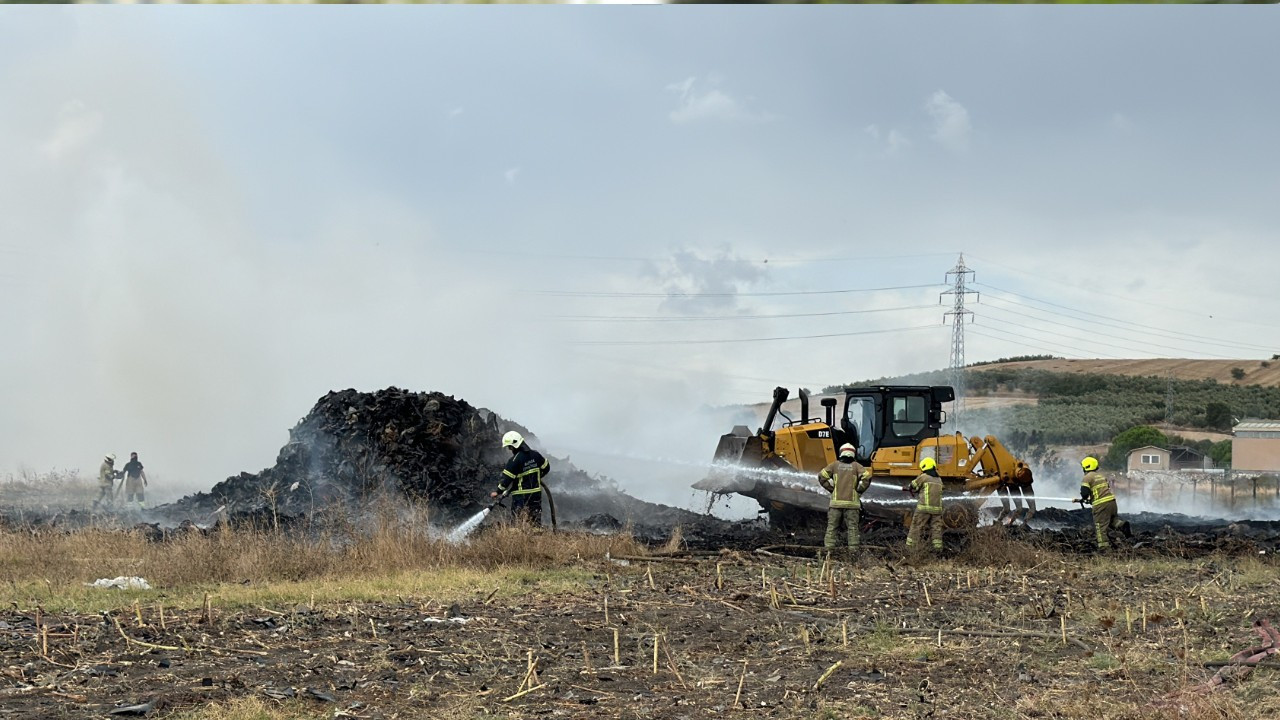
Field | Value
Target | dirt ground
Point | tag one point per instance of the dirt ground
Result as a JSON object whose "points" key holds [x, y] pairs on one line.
{"points": [[1002, 629]]}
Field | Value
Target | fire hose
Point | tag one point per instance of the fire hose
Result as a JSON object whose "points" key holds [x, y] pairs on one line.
{"points": [[552, 503]]}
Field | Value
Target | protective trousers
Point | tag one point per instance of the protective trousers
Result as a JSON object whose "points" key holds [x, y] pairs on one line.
{"points": [[133, 491], [836, 517], [921, 523], [1105, 519], [528, 508]]}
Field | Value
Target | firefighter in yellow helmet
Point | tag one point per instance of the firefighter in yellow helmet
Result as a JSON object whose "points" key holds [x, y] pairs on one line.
{"points": [[846, 480], [1096, 492], [928, 515]]}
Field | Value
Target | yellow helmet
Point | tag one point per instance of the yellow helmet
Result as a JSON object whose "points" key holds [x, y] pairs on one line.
{"points": [[928, 464], [1089, 464]]}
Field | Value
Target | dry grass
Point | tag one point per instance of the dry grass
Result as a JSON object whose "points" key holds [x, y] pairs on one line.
{"points": [[991, 546], [249, 566], [251, 708], [27, 488]]}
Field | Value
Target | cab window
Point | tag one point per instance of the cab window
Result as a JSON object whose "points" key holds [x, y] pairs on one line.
{"points": [[861, 414], [910, 414]]}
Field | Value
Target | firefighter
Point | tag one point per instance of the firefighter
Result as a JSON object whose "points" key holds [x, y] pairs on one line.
{"points": [[1095, 491], [107, 476], [522, 479], [135, 479], [928, 514], [846, 480]]}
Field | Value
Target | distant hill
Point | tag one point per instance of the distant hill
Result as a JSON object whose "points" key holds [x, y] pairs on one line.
{"points": [[1265, 373], [1061, 402]]}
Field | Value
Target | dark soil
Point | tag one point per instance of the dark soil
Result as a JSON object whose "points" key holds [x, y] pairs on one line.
{"points": [[413, 657]]}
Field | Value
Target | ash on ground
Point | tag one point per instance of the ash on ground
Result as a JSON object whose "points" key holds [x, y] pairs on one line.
{"points": [[355, 451]]}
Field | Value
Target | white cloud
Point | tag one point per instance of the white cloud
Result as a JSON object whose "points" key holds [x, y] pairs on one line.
{"points": [[892, 142], [511, 174], [897, 141], [681, 88], [455, 112], [721, 272], [951, 126], [76, 125], [711, 103]]}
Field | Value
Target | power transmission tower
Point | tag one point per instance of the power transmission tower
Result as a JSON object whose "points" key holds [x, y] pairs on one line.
{"points": [[957, 277]]}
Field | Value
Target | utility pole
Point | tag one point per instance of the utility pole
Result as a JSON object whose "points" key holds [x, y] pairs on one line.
{"points": [[957, 277]]}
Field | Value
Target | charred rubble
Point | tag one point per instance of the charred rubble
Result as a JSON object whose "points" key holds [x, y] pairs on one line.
{"points": [[355, 449]]}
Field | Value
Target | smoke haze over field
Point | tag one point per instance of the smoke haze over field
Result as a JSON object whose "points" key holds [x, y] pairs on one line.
{"points": [[590, 221]]}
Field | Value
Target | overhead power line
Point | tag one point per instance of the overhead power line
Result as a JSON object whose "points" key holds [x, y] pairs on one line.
{"points": [[681, 295], [703, 318], [1088, 343], [1096, 334], [1141, 327], [1074, 349], [1168, 335], [747, 257], [747, 340], [1020, 341], [1199, 312], [686, 372]]}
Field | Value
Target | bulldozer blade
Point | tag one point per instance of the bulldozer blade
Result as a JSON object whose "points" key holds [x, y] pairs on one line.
{"points": [[737, 453]]}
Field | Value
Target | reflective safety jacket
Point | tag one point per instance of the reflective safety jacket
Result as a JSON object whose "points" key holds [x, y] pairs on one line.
{"points": [[1095, 488], [107, 474], [846, 482], [524, 472], [929, 490]]}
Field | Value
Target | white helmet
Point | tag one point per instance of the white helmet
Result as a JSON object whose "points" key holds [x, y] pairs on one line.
{"points": [[512, 439], [111, 457], [848, 449]]}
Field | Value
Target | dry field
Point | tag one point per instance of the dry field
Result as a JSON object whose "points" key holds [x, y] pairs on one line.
{"points": [[518, 624], [1178, 369]]}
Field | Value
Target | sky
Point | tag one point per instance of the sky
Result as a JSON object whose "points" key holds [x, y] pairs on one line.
{"points": [[591, 219]]}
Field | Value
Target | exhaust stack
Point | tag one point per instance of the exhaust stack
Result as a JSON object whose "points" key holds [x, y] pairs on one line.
{"points": [[829, 404]]}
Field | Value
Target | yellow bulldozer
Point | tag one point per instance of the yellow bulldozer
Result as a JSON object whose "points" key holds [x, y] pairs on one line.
{"points": [[892, 428]]}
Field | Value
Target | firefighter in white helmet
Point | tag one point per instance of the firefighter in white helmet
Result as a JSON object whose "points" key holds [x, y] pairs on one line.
{"points": [[107, 476], [846, 480], [522, 479]]}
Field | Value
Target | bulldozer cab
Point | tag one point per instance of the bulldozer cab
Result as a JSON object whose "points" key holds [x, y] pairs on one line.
{"points": [[899, 416]]}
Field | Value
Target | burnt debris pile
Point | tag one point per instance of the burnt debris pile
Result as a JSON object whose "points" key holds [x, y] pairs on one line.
{"points": [[354, 447]]}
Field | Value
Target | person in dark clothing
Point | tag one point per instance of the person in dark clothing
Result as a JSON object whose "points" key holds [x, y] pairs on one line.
{"points": [[135, 479], [522, 479]]}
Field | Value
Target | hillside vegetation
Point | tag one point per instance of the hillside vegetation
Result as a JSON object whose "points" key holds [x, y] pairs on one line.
{"points": [[1236, 372]]}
